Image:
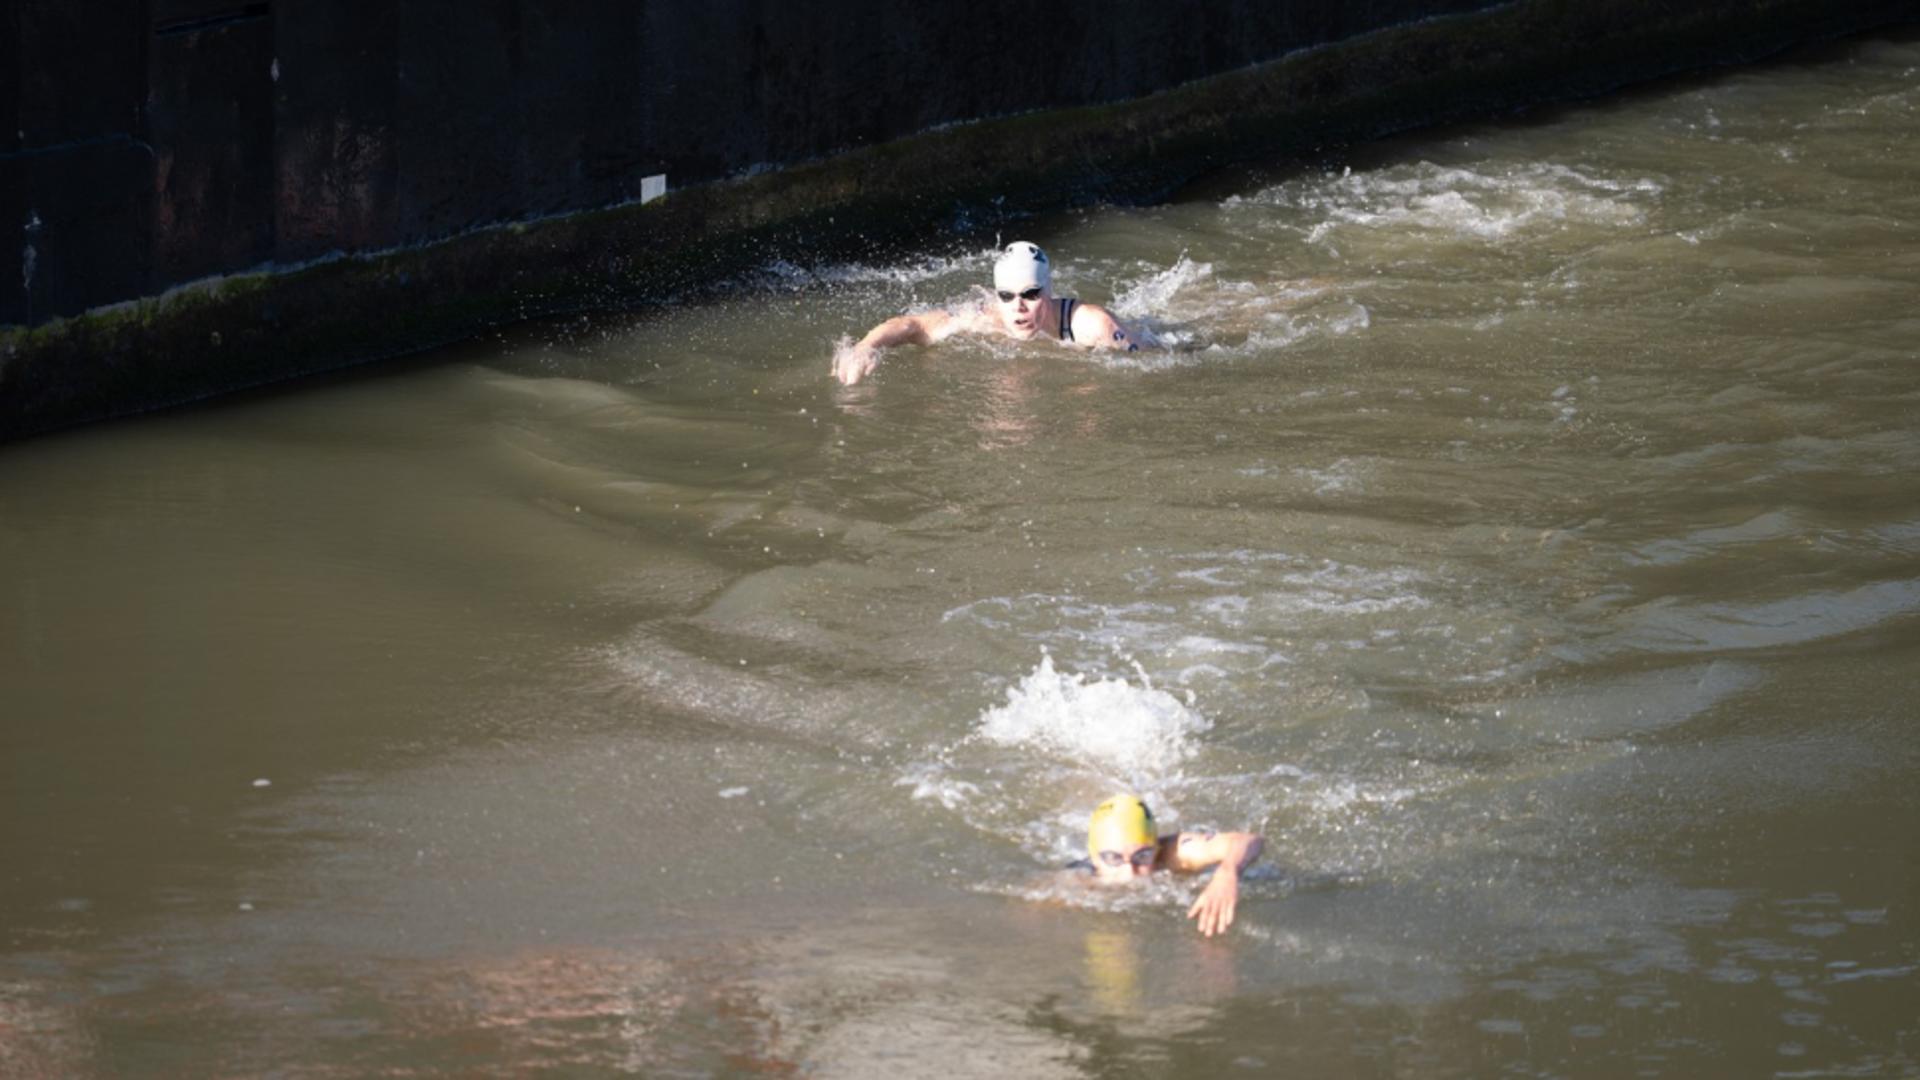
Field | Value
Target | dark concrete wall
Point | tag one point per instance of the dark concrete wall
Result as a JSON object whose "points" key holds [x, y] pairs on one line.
{"points": [[143, 146], [153, 144]]}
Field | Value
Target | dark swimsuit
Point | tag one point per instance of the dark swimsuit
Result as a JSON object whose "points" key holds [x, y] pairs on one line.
{"points": [[1066, 317]]}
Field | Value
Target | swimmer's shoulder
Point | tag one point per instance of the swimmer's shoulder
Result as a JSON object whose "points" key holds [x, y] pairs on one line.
{"points": [[1097, 328]]}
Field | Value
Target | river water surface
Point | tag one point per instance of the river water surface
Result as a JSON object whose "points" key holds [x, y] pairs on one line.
{"points": [[1520, 527]]}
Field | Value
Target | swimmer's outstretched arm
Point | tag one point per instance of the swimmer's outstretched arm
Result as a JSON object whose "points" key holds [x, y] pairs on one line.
{"points": [[1232, 853], [924, 328]]}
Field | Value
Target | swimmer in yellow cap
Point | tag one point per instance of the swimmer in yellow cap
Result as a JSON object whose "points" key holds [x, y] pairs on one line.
{"points": [[1124, 846]]}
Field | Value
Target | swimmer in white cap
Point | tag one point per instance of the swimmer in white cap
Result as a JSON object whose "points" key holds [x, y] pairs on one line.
{"points": [[1123, 845], [1022, 307]]}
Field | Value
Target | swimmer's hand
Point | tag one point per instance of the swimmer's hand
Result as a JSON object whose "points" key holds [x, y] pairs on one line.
{"points": [[851, 363], [1214, 909]]}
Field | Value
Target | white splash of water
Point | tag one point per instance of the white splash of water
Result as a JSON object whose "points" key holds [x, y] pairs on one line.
{"points": [[1151, 298], [784, 274], [1193, 316], [1131, 730]]}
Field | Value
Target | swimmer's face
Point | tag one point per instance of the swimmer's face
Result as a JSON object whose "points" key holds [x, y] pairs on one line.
{"points": [[1117, 866], [1020, 311]]}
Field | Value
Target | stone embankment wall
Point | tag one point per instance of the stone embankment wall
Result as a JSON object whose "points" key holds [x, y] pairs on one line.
{"points": [[205, 195]]}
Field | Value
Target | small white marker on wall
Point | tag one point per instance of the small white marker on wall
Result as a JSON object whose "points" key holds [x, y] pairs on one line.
{"points": [[652, 187]]}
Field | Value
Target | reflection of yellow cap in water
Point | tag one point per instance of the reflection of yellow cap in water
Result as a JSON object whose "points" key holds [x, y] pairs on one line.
{"points": [[1122, 823], [1113, 972]]}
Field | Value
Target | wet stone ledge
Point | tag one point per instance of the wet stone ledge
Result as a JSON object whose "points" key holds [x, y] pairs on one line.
{"points": [[445, 281]]}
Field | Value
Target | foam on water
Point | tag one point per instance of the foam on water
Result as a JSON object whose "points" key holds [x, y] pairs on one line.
{"points": [[1459, 203], [930, 783], [1227, 622], [1280, 329]]}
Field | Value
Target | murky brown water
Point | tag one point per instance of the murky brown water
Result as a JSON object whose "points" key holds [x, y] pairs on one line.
{"points": [[1522, 531]]}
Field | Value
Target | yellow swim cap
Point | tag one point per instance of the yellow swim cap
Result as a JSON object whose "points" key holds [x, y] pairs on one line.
{"points": [[1122, 823]]}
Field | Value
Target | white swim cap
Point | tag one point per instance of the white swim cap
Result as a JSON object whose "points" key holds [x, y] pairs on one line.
{"points": [[1021, 267]]}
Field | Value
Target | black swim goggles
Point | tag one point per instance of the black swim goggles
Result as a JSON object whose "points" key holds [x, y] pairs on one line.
{"points": [[1142, 857], [1029, 296]]}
